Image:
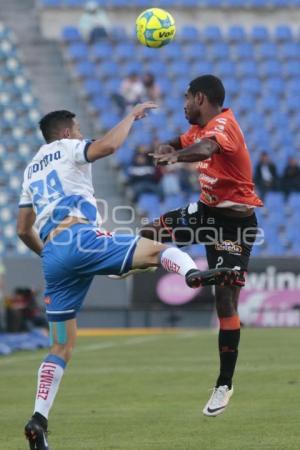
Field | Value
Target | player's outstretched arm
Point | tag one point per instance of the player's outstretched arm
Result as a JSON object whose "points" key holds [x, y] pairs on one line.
{"points": [[26, 232], [117, 135], [196, 152]]}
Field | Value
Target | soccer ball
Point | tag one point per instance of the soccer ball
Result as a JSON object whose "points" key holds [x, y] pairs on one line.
{"points": [[155, 27]]}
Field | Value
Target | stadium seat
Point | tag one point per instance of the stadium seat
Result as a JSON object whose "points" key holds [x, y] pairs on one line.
{"points": [[267, 50], [289, 51], [149, 204], [189, 33], [77, 52], [274, 200], [293, 201], [211, 33], [291, 69], [247, 69], [259, 33], [71, 34], [236, 34], [99, 52], [270, 69], [242, 51], [283, 33]]}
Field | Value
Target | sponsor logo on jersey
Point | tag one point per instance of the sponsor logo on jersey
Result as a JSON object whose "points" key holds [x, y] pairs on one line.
{"points": [[228, 246]]}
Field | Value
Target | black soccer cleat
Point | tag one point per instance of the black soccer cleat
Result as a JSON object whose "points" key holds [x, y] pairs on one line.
{"points": [[36, 435], [220, 277]]}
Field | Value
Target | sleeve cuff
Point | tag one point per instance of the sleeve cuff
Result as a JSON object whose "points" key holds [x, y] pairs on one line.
{"points": [[85, 150], [26, 205]]}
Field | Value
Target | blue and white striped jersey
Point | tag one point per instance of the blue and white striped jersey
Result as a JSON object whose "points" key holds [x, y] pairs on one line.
{"points": [[58, 183]]}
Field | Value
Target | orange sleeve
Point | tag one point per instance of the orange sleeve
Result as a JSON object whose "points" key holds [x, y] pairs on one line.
{"points": [[188, 138], [225, 133]]}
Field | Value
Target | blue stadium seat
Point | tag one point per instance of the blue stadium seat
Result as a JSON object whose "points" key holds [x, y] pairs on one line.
{"points": [[274, 200], [274, 85], [242, 51], [194, 51], [108, 121], [291, 69], [170, 53], [189, 33], [225, 68], [149, 204], [218, 51], [107, 69], [293, 201], [268, 104], [292, 87], [267, 50], [71, 34], [270, 69], [84, 69], [251, 86], [283, 33], [99, 52], [247, 69], [78, 51], [292, 103], [124, 156], [211, 33], [259, 33], [123, 52], [289, 50], [201, 67], [118, 33], [274, 247], [236, 34], [179, 69], [92, 87]]}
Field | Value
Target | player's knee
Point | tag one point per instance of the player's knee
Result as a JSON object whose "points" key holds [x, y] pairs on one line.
{"points": [[225, 301]]}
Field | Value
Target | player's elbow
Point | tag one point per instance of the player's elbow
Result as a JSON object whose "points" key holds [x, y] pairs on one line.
{"points": [[22, 230]]}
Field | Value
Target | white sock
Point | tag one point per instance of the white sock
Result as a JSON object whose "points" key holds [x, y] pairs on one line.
{"points": [[174, 260], [49, 377]]}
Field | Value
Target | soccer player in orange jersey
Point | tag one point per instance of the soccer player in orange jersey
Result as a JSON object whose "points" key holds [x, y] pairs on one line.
{"points": [[223, 219]]}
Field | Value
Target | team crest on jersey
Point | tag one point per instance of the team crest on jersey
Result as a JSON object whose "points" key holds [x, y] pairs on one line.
{"points": [[47, 300], [228, 246]]}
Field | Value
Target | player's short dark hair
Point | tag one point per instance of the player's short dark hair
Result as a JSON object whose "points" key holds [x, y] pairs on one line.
{"points": [[210, 86], [52, 123]]}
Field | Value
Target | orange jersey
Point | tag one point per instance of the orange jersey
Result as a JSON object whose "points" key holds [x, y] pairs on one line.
{"points": [[226, 177]]}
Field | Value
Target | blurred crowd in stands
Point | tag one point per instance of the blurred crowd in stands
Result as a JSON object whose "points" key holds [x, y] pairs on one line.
{"points": [[268, 179]]}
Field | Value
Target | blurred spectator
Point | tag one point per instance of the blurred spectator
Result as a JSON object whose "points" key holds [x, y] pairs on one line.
{"points": [[189, 179], [94, 23], [152, 89], [143, 176], [23, 312], [266, 177], [170, 181], [132, 91], [290, 181]]}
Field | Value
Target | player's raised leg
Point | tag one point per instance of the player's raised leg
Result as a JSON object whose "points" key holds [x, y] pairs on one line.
{"points": [[51, 371], [152, 253]]}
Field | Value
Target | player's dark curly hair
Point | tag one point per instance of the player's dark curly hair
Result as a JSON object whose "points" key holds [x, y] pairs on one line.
{"points": [[210, 86], [52, 123]]}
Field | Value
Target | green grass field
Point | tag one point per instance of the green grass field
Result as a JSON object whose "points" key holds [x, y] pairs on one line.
{"points": [[147, 393]]}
